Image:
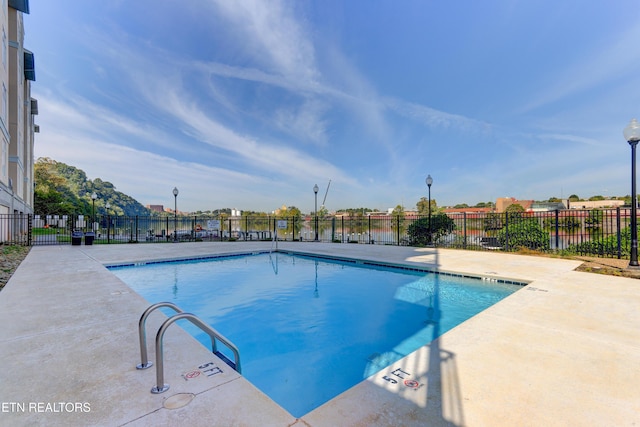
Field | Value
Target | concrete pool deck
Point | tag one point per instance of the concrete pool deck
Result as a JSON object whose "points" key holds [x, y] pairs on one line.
{"points": [[565, 350]]}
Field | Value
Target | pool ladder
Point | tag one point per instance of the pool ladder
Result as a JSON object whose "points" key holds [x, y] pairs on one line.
{"points": [[161, 387]]}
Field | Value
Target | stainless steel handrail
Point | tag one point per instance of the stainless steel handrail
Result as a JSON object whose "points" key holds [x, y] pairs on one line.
{"points": [[142, 332], [161, 387]]}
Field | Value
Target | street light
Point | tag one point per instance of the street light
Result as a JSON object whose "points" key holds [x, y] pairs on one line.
{"points": [[175, 214], [94, 196], [429, 181], [632, 135], [315, 190]]}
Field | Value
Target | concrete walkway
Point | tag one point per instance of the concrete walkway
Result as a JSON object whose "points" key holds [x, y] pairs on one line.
{"points": [[563, 351]]}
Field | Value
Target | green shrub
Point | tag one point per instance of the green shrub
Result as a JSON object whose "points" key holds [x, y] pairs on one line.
{"points": [[524, 232], [421, 233], [607, 246]]}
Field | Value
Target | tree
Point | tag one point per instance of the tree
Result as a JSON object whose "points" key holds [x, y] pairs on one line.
{"points": [[514, 212], [64, 189], [596, 198], [423, 206], [554, 199], [574, 198], [427, 230], [461, 206], [52, 195], [52, 203]]}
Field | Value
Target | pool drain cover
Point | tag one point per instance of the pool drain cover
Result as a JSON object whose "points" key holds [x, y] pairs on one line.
{"points": [[178, 400]]}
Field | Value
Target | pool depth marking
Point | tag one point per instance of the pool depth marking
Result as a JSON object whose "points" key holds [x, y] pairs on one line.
{"points": [[402, 379]]}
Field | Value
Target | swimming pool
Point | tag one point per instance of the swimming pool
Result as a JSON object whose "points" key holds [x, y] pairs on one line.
{"points": [[310, 328]]}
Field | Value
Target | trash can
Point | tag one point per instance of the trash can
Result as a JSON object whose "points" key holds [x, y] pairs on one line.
{"points": [[76, 238], [88, 238]]}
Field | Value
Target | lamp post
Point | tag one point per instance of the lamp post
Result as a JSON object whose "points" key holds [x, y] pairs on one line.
{"points": [[94, 196], [315, 190], [632, 135], [429, 181], [175, 214]]}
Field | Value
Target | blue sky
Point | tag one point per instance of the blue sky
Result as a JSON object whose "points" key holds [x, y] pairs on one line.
{"points": [[248, 104]]}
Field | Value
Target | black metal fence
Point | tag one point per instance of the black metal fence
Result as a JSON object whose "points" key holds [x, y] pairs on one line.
{"points": [[603, 233]]}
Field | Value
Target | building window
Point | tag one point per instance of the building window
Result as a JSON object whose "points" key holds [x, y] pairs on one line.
{"points": [[29, 66]]}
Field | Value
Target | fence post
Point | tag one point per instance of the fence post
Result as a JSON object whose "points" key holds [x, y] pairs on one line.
{"points": [[506, 231], [557, 228], [619, 236], [464, 226], [29, 231]]}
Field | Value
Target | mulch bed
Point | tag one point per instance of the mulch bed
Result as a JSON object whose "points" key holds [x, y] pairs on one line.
{"points": [[10, 259]]}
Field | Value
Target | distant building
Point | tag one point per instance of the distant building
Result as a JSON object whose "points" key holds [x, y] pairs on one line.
{"points": [[503, 203], [595, 204], [155, 208], [548, 206], [469, 209]]}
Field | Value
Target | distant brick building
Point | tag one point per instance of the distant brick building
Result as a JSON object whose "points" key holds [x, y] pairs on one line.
{"points": [[503, 203], [155, 208], [470, 209]]}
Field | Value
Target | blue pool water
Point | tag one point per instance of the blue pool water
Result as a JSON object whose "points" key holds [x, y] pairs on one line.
{"points": [[308, 328]]}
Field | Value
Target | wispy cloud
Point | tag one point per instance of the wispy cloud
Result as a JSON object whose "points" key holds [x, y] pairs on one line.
{"points": [[305, 123], [272, 28], [604, 63], [436, 119], [572, 138]]}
